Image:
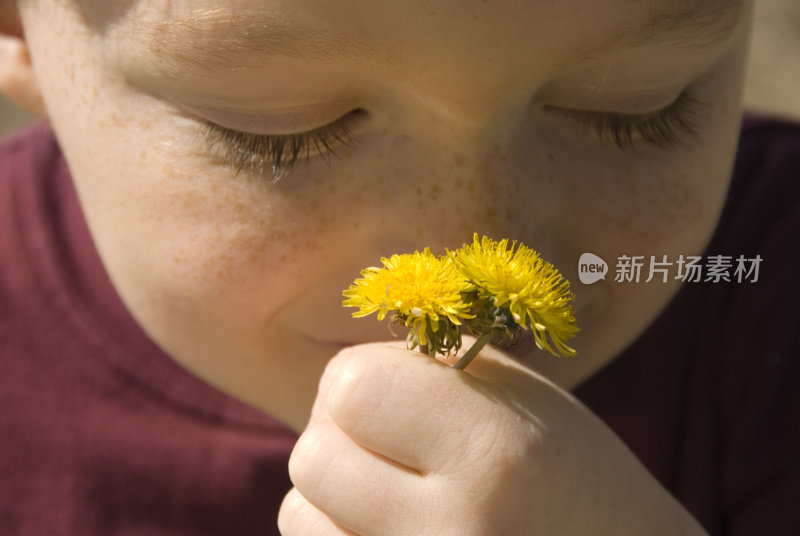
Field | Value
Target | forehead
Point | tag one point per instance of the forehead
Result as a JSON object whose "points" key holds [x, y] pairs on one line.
{"points": [[637, 17], [481, 43]]}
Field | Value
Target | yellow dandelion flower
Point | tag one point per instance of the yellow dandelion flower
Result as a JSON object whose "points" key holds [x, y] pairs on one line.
{"points": [[425, 292], [522, 291]]}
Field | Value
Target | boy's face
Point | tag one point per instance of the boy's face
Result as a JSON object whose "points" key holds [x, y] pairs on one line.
{"points": [[464, 116]]}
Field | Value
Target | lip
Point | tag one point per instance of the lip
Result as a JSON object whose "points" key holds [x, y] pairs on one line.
{"points": [[352, 332], [523, 346], [339, 344]]}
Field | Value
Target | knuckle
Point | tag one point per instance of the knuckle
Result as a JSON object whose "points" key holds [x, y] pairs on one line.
{"points": [[291, 513], [335, 366], [359, 390], [338, 361], [306, 457]]}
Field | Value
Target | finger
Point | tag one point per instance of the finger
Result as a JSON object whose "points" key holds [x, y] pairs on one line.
{"points": [[358, 489], [298, 517], [411, 408]]}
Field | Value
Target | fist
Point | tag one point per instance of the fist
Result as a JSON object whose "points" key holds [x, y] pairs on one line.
{"points": [[402, 444]]}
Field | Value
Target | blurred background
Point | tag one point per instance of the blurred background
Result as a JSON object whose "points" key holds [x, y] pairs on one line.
{"points": [[773, 84]]}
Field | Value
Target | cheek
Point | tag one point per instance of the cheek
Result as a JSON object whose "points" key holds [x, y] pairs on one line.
{"points": [[656, 208], [188, 242], [667, 203], [654, 201]]}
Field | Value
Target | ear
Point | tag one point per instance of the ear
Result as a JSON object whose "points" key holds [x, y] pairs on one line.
{"points": [[17, 79]]}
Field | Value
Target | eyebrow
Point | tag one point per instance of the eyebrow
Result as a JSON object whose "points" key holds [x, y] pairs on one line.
{"points": [[692, 25], [214, 39]]}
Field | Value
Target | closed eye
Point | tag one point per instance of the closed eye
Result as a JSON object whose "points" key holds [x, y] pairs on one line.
{"points": [[664, 127], [275, 155]]}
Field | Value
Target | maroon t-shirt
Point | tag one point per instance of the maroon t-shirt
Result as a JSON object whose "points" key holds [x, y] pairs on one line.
{"points": [[709, 396], [101, 433]]}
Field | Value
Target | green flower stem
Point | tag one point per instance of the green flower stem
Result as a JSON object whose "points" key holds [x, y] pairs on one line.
{"points": [[473, 350]]}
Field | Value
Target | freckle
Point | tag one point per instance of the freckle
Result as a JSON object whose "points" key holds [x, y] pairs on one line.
{"points": [[333, 186], [313, 205], [458, 160], [551, 157], [419, 190], [312, 245]]}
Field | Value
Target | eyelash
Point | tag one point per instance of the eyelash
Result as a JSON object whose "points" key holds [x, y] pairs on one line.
{"points": [[276, 155], [663, 128]]}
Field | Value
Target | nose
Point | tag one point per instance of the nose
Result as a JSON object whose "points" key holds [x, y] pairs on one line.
{"points": [[435, 189], [455, 180]]}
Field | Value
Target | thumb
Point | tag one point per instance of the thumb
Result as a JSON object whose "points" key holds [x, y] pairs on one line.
{"points": [[319, 411]]}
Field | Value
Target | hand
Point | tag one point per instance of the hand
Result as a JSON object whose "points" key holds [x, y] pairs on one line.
{"points": [[401, 444]]}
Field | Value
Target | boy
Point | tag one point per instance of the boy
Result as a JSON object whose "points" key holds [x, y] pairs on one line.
{"points": [[238, 162]]}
